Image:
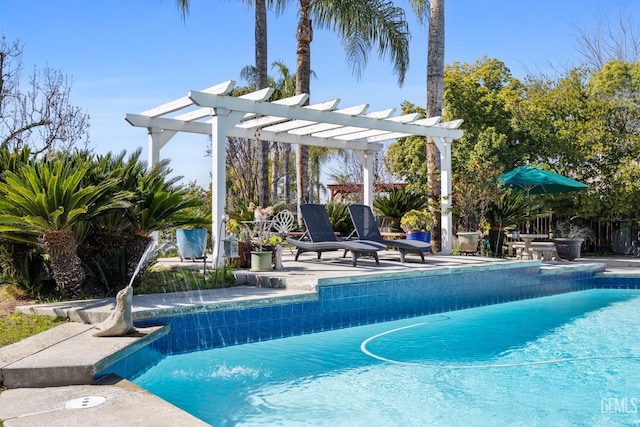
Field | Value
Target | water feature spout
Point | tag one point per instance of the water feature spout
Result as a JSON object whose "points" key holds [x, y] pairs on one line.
{"points": [[120, 322]]}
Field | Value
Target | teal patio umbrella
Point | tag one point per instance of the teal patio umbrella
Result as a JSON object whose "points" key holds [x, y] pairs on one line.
{"points": [[534, 180]]}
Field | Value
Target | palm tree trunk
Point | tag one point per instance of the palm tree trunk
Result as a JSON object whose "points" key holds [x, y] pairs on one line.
{"points": [[261, 83], [62, 248], [275, 169], [435, 86], [304, 35], [287, 174]]}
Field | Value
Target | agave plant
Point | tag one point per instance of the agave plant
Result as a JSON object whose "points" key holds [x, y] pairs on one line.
{"points": [[44, 203]]}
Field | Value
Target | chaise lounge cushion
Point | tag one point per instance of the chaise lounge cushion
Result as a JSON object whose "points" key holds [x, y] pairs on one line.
{"points": [[366, 228], [321, 237]]}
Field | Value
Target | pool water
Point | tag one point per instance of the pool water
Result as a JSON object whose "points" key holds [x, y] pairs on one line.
{"points": [[570, 359]]}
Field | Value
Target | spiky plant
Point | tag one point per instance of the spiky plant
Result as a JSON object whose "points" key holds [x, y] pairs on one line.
{"points": [[44, 203], [396, 203], [338, 213]]}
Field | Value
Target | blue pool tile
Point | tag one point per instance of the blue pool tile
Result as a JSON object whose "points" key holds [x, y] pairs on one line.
{"points": [[242, 316], [340, 306], [230, 317]]}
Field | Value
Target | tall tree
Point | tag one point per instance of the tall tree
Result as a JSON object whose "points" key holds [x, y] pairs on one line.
{"points": [[285, 87], [435, 86], [261, 81], [360, 24], [434, 10]]}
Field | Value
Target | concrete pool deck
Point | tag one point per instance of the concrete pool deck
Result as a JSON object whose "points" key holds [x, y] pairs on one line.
{"points": [[46, 362]]}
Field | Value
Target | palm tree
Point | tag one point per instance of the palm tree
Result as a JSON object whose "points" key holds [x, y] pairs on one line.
{"points": [[360, 24], [435, 87], [317, 157], [285, 87]]}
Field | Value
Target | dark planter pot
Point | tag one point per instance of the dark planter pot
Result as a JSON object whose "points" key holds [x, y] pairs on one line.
{"points": [[568, 249], [191, 242], [425, 236]]}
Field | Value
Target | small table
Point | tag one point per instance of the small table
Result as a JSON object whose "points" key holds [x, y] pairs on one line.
{"points": [[527, 239]]}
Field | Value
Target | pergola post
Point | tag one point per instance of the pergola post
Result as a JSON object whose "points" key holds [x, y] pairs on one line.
{"points": [[221, 124], [446, 226], [366, 160], [158, 138]]}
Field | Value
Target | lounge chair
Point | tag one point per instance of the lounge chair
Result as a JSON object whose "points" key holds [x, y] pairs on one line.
{"points": [[321, 237], [366, 228]]}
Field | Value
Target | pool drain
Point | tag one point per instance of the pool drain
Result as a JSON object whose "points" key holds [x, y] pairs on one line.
{"points": [[85, 402]]}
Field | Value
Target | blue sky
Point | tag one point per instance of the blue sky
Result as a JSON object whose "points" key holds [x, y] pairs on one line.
{"points": [[125, 56]]}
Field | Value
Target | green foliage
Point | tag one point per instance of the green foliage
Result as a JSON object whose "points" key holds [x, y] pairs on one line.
{"points": [[110, 203], [407, 157], [338, 213], [511, 207], [157, 280], [417, 220], [49, 196], [396, 203], [108, 273], [18, 326], [25, 266]]}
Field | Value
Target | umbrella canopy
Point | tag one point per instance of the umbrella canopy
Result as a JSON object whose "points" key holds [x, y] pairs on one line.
{"points": [[539, 181]]}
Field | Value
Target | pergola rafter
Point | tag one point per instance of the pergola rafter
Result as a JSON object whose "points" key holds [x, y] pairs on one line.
{"points": [[214, 112]]}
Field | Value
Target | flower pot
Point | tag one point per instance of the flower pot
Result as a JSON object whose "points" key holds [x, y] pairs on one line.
{"points": [[468, 241], [425, 236], [192, 242], [568, 249], [261, 261]]}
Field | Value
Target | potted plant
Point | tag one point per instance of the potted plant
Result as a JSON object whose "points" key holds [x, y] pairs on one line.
{"points": [[263, 258], [418, 224], [569, 244], [470, 215]]}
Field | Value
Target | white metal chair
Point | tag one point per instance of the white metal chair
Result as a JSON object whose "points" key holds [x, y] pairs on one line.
{"points": [[283, 222]]}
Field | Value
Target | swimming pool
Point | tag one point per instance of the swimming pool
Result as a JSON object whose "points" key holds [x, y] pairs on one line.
{"points": [[570, 359]]}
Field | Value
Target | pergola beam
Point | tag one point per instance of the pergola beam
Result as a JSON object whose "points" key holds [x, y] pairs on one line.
{"points": [[290, 138], [180, 103], [261, 108]]}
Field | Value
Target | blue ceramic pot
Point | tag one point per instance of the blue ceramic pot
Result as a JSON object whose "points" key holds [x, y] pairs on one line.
{"points": [[192, 242], [425, 236]]}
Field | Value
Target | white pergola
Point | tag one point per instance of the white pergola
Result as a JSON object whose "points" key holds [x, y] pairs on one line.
{"points": [[214, 112]]}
